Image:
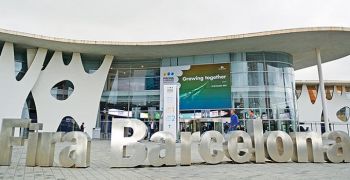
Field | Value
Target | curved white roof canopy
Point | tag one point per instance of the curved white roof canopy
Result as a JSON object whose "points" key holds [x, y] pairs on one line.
{"points": [[334, 43]]}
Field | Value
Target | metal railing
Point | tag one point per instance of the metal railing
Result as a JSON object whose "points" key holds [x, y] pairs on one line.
{"points": [[212, 116], [320, 126]]}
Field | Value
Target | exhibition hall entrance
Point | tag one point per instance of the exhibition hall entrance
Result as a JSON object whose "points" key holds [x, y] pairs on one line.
{"points": [[203, 120]]}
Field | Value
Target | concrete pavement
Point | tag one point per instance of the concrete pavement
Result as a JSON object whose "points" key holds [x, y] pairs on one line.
{"points": [[99, 169]]}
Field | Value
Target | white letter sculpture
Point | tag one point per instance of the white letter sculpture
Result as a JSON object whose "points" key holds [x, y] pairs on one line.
{"points": [[126, 150], [77, 155]]}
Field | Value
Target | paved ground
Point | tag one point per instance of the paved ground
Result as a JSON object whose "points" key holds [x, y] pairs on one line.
{"points": [[99, 169]]}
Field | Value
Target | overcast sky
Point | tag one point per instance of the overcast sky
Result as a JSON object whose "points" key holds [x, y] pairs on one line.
{"points": [[148, 20]]}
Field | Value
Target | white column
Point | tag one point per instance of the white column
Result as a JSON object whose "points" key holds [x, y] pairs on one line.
{"points": [[322, 90]]}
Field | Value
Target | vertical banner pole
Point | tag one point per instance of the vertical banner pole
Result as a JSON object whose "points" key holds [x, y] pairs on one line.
{"points": [[178, 112], [170, 110]]}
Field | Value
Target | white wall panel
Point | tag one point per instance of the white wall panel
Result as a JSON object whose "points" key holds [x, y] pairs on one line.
{"points": [[13, 93], [309, 112], [82, 105]]}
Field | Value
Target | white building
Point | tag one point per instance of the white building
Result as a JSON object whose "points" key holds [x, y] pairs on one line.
{"points": [[310, 106], [63, 83]]}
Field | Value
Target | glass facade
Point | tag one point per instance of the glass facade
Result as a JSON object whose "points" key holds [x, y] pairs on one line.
{"points": [[264, 83], [260, 81], [131, 90]]}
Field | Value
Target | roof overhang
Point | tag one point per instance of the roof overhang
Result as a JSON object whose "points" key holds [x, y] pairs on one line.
{"points": [[326, 82], [334, 43]]}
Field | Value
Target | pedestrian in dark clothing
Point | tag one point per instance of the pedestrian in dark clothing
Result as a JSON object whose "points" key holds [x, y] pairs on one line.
{"points": [[82, 127]]}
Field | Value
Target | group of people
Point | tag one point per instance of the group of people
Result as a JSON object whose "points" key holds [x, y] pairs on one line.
{"points": [[234, 121], [232, 126]]}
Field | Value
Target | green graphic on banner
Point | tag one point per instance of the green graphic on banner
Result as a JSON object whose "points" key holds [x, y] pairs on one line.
{"points": [[206, 87]]}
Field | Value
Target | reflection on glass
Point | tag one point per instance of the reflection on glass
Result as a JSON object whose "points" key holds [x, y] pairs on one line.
{"points": [[329, 92], [264, 83], [62, 90], [131, 90], [339, 89], [255, 78], [343, 114], [255, 66]]}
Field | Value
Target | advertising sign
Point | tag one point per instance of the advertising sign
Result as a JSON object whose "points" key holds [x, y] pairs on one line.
{"points": [[170, 112], [205, 87]]}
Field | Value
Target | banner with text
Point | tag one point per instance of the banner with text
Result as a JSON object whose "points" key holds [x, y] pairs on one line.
{"points": [[205, 87]]}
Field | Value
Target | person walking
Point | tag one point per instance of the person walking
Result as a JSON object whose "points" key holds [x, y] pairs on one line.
{"points": [[234, 120], [226, 127], [152, 127], [82, 127]]}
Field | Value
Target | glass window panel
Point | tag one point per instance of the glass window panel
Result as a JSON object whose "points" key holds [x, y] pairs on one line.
{"points": [[255, 66], [281, 57], [138, 72], [112, 82], [254, 56], [137, 84], [255, 102], [165, 62], [145, 63], [280, 79], [91, 63], [255, 78], [123, 84], [274, 66], [152, 83], [289, 80], [187, 60], [119, 64], [123, 73], [142, 84], [288, 69], [221, 58], [242, 92], [239, 80], [173, 61], [144, 101], [145, 72], [206, 59], [19, 70], [239, 66], [237, 57], [276, 79]]}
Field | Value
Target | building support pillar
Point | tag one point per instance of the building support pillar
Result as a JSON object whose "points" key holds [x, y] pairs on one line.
{"points": [[322, 90]]}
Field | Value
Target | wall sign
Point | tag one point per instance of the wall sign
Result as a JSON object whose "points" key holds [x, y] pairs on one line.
{"points": [[201, 86], [206, 87]]}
